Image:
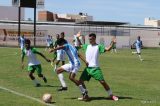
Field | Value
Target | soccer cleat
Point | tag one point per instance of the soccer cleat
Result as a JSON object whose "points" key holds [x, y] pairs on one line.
{"points": [[115, 98], [63, 89], [141, 59], [38, 85], [85, 97], [45, 80]]}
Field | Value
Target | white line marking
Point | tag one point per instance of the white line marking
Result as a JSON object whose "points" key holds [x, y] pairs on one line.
{"points": [[15, 53], [26, 96]]}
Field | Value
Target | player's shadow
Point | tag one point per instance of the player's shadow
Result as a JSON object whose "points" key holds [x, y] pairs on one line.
{"points": [[108, 98], [104, 98], [49, 86]]}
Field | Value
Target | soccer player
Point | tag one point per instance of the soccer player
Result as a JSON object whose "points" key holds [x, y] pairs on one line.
{"points": [[138, 44], [33, 63], [60, 55], [22, 42], [77, 41], [113, 43], [93, 70], [74, 63], [48, 41]]}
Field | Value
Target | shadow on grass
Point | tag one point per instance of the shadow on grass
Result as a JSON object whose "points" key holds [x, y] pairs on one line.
{"points": [[104, 98], [49, 86]]}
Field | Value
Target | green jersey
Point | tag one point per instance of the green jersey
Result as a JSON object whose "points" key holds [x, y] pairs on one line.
{"points": [[31, 54]]}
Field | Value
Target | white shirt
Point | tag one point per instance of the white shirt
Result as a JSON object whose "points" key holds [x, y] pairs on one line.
{"points": [[92, 54], [32, 59]]}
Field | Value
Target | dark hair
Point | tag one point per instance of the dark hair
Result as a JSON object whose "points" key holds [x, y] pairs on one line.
{"points": [[61, 41], [62, 33], [92, 35], [27, 41]]}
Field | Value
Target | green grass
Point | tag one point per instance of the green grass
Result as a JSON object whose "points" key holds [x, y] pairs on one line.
{"points": [[136, 83]]}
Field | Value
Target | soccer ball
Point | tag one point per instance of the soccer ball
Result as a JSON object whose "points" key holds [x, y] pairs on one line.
{"points": [[47, 98]]}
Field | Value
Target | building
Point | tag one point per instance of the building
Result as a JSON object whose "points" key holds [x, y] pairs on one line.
{"points": [[49, 16], [45, 16], [11, 13], [152, 22]]}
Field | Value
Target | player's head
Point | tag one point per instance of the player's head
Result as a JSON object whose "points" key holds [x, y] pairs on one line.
{"points": [[62, 35], [22, 36], [57, 36], [138, 37], [27, 43], [92, 38], [61, 41]]}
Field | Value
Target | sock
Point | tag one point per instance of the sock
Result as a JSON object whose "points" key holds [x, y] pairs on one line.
{"points": [[61, 79], [35, 81], [139, 57], [115, 50], [110, 92], [82, 89], [55, 67], [134, 52]]}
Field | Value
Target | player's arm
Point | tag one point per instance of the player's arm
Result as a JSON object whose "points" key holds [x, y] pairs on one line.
{"points": [[109, 47], [48, 60], [57, 48], [83, 59], [79, 41]]}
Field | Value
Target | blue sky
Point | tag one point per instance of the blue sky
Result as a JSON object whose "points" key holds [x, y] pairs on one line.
{"points": [[133, 11]]}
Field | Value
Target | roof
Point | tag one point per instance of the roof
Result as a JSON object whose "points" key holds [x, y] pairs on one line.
{"points": [[102, 23]]}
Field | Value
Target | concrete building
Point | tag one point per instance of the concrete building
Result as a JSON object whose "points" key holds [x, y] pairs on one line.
{"points": [[152, 22], [11, 13], [49, 16]]}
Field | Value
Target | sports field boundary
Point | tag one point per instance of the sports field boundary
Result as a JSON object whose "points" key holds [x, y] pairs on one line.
{"points": [[26, 96]]}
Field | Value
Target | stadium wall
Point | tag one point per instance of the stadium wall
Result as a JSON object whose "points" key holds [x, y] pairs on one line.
{"points": [[125, 36]]}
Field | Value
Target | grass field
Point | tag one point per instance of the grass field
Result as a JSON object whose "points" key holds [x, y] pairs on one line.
{"points": [[136, 83]]}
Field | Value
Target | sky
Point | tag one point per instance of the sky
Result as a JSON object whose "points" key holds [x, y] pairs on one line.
{"points": [[132, 11]]}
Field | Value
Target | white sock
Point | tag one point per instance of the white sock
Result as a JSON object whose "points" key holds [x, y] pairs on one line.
{"points": [[139, 57], [35, 81], [110, 92], [55, 67], [134, 52], [115, 50], [61, 79], [82, 89]]}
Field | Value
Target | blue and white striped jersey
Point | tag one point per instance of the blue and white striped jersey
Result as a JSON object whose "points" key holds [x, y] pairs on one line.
{"points": [[72, 54]]}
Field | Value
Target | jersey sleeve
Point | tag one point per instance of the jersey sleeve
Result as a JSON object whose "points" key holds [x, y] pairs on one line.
{"points": [[65, 46], [84, 47], [101, 48]]}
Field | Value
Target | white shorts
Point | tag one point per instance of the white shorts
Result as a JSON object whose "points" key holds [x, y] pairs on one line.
{"points": [[138, 50], [22, 47], [71, 68], [61, 55], [48, 44]]}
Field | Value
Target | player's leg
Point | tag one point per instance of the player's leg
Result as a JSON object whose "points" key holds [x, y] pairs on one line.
{"points": [[115, 50], [31, 70], [139, 54], [84, 77], [97, 75], [72, 78], [60, 71], [39, 72], [109, 91]]}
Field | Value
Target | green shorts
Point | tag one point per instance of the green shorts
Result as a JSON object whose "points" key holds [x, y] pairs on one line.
{"points": [[35, 67], [55, 54], [94, 72]]}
